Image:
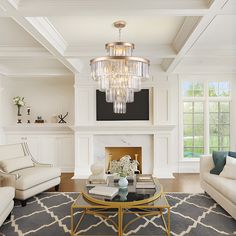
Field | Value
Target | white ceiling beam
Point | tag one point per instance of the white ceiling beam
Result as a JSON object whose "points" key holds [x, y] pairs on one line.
{"points": [[3, 70], [214, 51], [140, 7], [188, 27], [48, 31], [158, 51], [2, 11], [191, 32], [37, 74], [43, 37], [9, 51]]}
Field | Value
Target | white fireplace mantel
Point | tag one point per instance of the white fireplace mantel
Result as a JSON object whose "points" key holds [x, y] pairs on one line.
{"points": [[124, 129]]}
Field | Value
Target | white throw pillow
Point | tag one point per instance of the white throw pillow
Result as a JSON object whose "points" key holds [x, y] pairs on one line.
{"points": [[10, 165], [229, 170]]}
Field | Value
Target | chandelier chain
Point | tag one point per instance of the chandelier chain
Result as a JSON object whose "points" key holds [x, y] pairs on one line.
{"points": [[120, 34]]}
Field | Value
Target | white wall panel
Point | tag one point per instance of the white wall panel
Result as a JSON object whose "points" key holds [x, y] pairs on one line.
{"points": [[83, 155], [163, 105]]}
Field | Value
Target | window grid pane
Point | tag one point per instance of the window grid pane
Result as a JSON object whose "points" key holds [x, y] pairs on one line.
{"points": [[192, 89], [193, 129], [219, 126], [219, 89]]}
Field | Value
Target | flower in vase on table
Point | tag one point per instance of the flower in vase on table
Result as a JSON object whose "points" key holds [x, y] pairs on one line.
{"points": [[124, 167], [19, 101]]}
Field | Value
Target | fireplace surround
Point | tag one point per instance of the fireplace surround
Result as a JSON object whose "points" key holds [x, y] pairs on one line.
{"points": [[155, 141]]}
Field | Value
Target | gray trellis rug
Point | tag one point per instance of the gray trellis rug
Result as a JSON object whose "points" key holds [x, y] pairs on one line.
{"points": [[49, 214]]}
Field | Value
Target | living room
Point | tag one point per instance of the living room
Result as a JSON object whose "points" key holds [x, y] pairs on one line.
{"points": [[165, 125]]}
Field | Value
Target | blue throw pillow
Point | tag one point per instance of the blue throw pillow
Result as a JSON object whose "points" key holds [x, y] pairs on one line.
{"points": [[219, 159], [232, 154]]}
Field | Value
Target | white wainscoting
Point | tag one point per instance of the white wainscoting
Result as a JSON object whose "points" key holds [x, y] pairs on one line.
{"points": [[53, 147]]}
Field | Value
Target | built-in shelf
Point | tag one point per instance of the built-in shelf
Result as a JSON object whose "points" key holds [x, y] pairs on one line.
{"points": [[33, 127]]}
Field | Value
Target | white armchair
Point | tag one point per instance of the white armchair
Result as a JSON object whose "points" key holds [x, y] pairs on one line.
{"points": [[19, 169], [6, 199]]}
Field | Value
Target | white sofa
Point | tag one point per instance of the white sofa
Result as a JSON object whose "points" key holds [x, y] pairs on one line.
{"points": [[31, 180], [7, 195], [222, 190]]}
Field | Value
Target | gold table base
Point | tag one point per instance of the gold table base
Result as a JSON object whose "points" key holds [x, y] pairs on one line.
{"points": [[99, 210]]}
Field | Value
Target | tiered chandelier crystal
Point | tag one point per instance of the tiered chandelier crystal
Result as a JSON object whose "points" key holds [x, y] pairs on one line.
{"points": [[119, 74]]}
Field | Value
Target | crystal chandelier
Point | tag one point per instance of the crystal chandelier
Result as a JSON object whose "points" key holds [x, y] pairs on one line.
{"points": [[119, 74]]}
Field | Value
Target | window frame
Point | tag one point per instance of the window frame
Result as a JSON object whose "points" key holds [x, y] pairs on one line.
{"points": [[206, 99]]}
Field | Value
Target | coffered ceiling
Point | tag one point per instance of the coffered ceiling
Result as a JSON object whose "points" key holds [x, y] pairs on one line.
{"points": [[59, 37]]}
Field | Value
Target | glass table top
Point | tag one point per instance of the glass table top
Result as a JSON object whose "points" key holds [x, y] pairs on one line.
{"points": [[130, 195]]}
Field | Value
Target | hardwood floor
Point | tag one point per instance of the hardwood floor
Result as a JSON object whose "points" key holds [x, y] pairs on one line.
{"points": [[188, 183]]}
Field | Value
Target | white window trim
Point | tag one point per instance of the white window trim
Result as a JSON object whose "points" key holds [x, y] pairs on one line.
{"points": [[206, 99]]}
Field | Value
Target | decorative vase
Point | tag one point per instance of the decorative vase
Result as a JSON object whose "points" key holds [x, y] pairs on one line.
{"points": [[123, 193], [123, 182], [18, 110]]}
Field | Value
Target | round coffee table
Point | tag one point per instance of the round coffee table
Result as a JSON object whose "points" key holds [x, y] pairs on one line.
{"points": [[142, 202]]}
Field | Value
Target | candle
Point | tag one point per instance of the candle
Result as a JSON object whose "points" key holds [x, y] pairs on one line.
{"points": [[28, 110]]}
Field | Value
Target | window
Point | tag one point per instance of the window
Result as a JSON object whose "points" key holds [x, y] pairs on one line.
{"points": [[206, 117], [193, 129], [218, 89], [219, 126], [193, 89]]}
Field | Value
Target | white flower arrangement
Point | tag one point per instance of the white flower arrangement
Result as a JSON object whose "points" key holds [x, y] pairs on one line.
{"points": [[124, 167], [19, 101]]}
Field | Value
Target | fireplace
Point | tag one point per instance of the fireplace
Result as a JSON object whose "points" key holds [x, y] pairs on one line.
{"points": [[115, 153]]}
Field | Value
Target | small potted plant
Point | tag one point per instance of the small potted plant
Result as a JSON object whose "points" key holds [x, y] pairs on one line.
{"points": [[19, 102]]}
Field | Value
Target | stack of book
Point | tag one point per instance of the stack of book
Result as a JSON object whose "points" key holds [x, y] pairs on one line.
{"points": [[104, 191], [95, 182], [145, 182]]}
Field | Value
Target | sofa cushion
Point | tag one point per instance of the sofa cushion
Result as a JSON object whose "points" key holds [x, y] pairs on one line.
{"points": [[6, 196], [225, 186], [229, 170], [13, 164], [34, 176], [232, 154], [219, 159]]}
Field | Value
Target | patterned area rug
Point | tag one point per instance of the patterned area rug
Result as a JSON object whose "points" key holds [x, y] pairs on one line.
{"points": [[49, 214]]}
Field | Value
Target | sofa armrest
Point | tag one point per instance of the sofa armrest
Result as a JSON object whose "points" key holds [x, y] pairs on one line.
{"points": [[42, 165], [8, 179], [206, 164], [38, 164]]}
